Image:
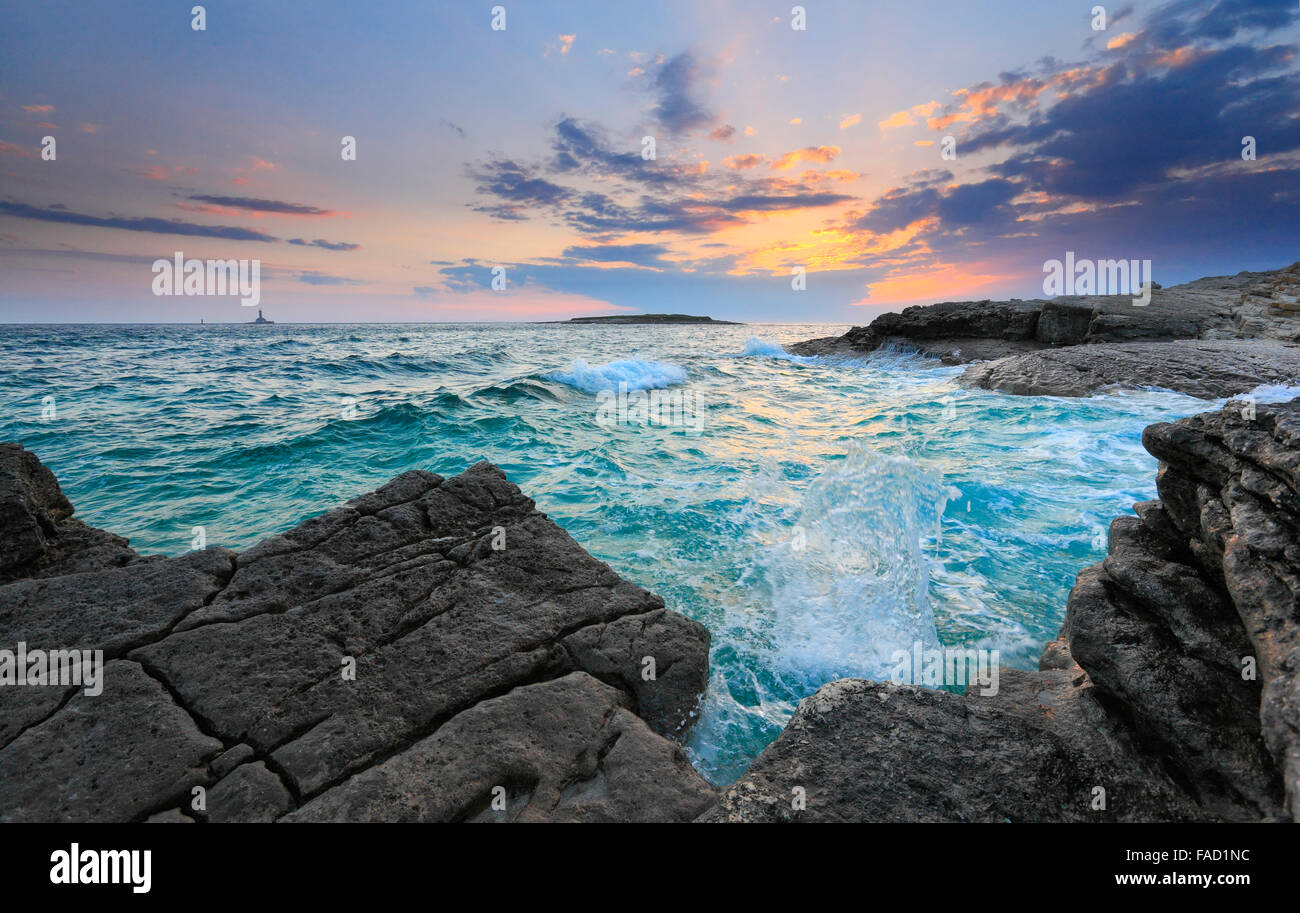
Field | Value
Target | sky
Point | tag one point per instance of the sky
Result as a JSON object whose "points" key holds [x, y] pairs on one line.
{"points": [[896, 153]]}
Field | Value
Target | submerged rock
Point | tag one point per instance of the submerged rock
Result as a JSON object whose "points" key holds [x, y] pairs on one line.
{"points": [[298, 673], [1173, 693]]}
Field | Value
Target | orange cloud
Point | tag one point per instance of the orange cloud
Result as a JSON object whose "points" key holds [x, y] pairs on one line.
{"points": [[15, 149], [152, 173], [982, 103], [741, 162], [38, 109], [1180, 57], [849, 120], [907, 117], [821, 154], [1120, 41]]}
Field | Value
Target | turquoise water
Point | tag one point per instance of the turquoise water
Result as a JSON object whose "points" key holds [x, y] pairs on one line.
{"points": [[825, 513]]}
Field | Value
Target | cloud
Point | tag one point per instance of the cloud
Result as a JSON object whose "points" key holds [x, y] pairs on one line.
{"points": [[638, 195], [253, 204], [1073, 172], [818, 154], [150, 173], [677, 84], [326, 279], [325, 245], [648, 255], [15, 149], [38, 109], [723, 133], [849, 120], [518, 186], [908, 116], [742, 162], [157, 226], [1191, 20]]}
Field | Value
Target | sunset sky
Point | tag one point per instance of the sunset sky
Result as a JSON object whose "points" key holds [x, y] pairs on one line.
{"points": [[522, 148]]}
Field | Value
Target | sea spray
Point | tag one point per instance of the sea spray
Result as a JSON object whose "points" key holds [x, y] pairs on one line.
{"points": [[852, 585], [766, 348]]}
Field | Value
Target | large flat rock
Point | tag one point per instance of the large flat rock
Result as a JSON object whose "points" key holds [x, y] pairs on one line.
{"points": [[563, 750], [1209, 369], [338, 646]]}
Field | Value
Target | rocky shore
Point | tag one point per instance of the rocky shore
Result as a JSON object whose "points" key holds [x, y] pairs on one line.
{"points": [[438, 650], [1210, 338]]}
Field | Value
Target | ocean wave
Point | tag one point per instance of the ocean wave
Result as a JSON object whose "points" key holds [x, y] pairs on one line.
{"points": [[1274, 393], [768, 349], [637, 374], [522, 389]]}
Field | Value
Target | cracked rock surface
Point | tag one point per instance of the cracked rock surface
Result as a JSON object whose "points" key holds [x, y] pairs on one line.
{"points": [[385, 635]]}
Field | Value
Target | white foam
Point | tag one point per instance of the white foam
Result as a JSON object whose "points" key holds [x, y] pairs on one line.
{"points": [[637, 374], [850, 582], [768, 349], [1275, 393]]}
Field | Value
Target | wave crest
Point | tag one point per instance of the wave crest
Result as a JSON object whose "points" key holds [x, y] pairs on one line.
{"points": [[637, 374]]}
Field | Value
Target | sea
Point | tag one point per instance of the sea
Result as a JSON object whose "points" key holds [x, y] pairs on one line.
{"points": [[816, 514]]}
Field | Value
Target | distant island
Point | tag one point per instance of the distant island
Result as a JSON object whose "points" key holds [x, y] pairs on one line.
{"points": [[648, 318]]}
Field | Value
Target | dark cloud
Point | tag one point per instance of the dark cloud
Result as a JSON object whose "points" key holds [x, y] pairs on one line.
{"points": [[256, 205], [580, 146], [518, 186], [899, 208], [677, 84], [1186, 21], [59, 213], [650, 195], [1147, 134], [1192, 115], [640, 254], [325, 245], [324, 279], [969, 204]]}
